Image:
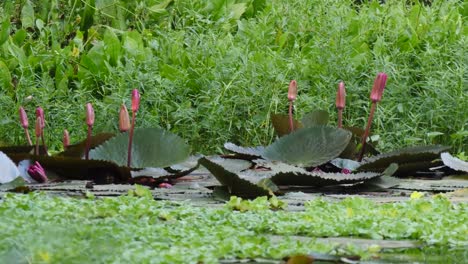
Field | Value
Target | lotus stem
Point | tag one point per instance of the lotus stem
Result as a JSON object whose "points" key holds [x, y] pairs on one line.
{"points": [[291, 120], [90, 123], [376, 96], [25, 124], [340, 118], [40, 115], [340, 102], [135, 106], [130, 140], [38, 132], [292, 95], [367, 131]]}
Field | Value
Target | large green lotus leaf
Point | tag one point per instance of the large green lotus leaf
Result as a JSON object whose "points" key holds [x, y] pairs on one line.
{"points": [[247, 152], [409, 160], [23, 150], [284, 174], [309, 146], [244, 185], [78, 150], [315, 118], [281, 124], [99, 171], [152, 147], [454, 163]]}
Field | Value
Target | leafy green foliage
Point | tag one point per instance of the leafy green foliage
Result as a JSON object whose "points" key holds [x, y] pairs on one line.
{"points": [[139, 229], [152, 147], [256, 48], [309, 146]]}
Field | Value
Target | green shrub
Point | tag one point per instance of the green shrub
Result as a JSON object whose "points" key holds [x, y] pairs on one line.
{"points": [[213, 71]]}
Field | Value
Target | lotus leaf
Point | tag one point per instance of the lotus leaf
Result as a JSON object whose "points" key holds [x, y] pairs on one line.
{"points": [[152, 147], [315, 118], [311, 146], [281, 124], [454, 163]]}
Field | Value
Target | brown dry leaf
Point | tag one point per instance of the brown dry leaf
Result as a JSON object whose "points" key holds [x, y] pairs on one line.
{"points": [[300, 259]]}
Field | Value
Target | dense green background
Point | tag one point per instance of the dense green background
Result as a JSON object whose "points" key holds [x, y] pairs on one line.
{"points": [[213, 71]]}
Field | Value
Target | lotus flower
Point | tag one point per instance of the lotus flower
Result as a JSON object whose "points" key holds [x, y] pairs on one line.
{"points": [[340, 102], [124, 119], [25, 124], [135, 106], [66, 139], [292, 94], [376, 95], [37, 172], [90, 123]]}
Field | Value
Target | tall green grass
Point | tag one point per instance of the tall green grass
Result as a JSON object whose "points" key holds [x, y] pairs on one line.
{"points": [[214, 71]]}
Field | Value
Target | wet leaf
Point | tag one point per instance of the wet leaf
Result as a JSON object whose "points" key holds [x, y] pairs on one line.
{"points": [[309, 146], [9, 172], [454, 163], [315, 118], [69, 168], [284, 174], [248, 152], [242, 186], [152, 147], [409, 159], [281, 124]]}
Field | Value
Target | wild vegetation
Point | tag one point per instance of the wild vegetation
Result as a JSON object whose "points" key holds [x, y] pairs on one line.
{"points": [[214, 71], [38, 228]]}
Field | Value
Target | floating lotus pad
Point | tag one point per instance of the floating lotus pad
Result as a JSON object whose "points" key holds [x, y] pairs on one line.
{"points": [[248, 152], [412, 158], [309, 146], [152, 147], [228, 175], [454, 163]]}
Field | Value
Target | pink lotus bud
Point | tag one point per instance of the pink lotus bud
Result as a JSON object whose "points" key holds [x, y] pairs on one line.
{"points": [[341, 96], [37, 172], [66, 139], [378, 88], [165, 185], [292, 91], [124, 119], [40, 114], [89, 114], [38, 128], [23, 118], [135, 100]]}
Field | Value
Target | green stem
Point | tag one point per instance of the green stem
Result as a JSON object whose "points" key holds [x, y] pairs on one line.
{"points": [[291, 122], [340, 118], [88, 142], [367, 131], [130, 139], [28, 137]]}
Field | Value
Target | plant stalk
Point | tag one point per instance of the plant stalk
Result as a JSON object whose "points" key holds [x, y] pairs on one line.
{"points": [[291, 122], [36, 151], [130, 139], [340, 118], [88, 142], [43, 142], [28, 137], [367, 131]]}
